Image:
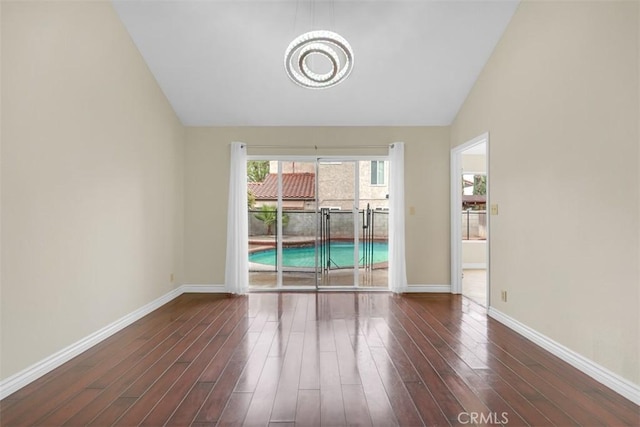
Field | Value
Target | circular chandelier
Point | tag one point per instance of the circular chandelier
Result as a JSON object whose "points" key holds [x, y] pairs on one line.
{"points": [[326, 44]]}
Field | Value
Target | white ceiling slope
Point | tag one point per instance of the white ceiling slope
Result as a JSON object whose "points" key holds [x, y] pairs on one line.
{"points": [[220, 63]]}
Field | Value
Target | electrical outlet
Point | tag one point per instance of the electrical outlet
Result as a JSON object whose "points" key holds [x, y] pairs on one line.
{"points": [[494, 209], [503, 296]]}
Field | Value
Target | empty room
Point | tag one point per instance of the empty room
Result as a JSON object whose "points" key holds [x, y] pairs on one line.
{"points": [[319, 212]]}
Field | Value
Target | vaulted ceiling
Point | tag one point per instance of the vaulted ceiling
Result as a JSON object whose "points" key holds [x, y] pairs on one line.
{"points": [[220, 63]]}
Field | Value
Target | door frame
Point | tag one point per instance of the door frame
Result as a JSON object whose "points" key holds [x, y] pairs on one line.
{"points": [[456, 213], [317, 159]]}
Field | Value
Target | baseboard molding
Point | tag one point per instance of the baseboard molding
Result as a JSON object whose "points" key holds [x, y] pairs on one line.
{"points": [[428, 289], [35, 371], [202, 289], [601, 374], [475, 265]]}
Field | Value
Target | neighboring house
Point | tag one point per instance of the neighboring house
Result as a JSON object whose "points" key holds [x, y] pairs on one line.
{"points": [[336, 187]]}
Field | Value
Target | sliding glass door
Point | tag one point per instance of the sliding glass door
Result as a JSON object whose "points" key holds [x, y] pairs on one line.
{"points": [[317, 223]]}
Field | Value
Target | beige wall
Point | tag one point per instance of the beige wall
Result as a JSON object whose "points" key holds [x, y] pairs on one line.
{"points": [[474, 163], [559, 98], [426, 175], [474, 252], [92, 159]]}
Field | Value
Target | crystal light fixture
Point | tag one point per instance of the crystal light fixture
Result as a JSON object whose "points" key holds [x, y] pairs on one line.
{"points": [[327, 44]]}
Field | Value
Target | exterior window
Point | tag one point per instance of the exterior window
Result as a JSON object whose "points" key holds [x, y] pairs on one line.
{"points": [[377, 172]]}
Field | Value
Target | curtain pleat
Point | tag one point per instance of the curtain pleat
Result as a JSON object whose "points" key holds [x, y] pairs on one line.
{"points": [[237, 263], [397, 258]]}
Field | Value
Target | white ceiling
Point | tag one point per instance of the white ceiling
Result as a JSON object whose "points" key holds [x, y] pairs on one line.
{"points": [[221, 62]]}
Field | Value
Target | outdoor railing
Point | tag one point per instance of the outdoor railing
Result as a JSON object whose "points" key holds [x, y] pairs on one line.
{"points": [[474, 225]]}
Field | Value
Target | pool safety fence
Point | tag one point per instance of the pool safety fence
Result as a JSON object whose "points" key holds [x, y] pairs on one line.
{"points": [[335, 226], [474, 225]]}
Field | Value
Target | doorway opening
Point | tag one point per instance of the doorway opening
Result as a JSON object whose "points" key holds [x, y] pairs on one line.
{"points": [[318, 222], [470, 220]]}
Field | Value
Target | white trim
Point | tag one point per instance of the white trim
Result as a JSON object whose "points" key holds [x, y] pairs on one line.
{"points": [[456, 212], [202, 289], [599, 373], [428, 289], [326, 159], [46, 365], [474, 265]]}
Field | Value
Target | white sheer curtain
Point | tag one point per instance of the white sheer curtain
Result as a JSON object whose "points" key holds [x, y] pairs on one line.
{"points": [[397, 259], [237, 267]]}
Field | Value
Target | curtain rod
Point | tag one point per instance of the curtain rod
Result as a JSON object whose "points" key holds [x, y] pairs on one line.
{"points": [[315, 147]]}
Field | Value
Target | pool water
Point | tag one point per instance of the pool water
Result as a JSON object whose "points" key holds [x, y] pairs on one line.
{"points": [[305, 256]]}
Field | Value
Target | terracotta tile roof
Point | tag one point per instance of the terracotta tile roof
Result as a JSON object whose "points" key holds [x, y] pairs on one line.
{"points": [[474, 199], [294, 186]]}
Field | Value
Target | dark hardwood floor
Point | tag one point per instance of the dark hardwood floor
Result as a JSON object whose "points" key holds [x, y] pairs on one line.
{"points": [[309, 359]]}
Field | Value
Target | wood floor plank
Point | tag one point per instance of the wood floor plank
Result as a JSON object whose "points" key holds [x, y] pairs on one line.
{"points": [[160, 414], [215, 401], [299, 322], [400, 359], [146, 380], [355, 405], [326, 339], [285, 403], [331, 401], [240, 336], [310, 375], [112, 412], [235, 411], [70, 408], [380, 409], [347, 362], [217, 323], [139, 410], [448, 403], [251, 374], [308, 408], [259, 411], [311, 359], [429, 409], [187, 410], [112, 392], [403, 407]]}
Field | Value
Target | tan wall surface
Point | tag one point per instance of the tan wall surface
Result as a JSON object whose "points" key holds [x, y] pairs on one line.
{"points": [[474, 252], [474, 163], [426, 179], [559, 98], [92, 158]]}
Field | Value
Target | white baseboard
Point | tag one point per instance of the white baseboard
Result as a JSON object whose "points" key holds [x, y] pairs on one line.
{"points": [[428, 289], [202, 289], [601, 374], [35, 371], [475, 265]]}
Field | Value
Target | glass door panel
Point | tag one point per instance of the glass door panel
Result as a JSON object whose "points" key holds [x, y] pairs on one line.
{"points": [[263, 230], [373, 191], [337, 239], [299, 224]]}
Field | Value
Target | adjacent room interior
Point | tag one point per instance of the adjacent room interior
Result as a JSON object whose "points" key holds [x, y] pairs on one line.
{"points": [[116, 124]]}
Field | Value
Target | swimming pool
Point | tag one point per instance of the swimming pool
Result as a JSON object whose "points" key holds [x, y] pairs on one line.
{"points": [[305, 256]]}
